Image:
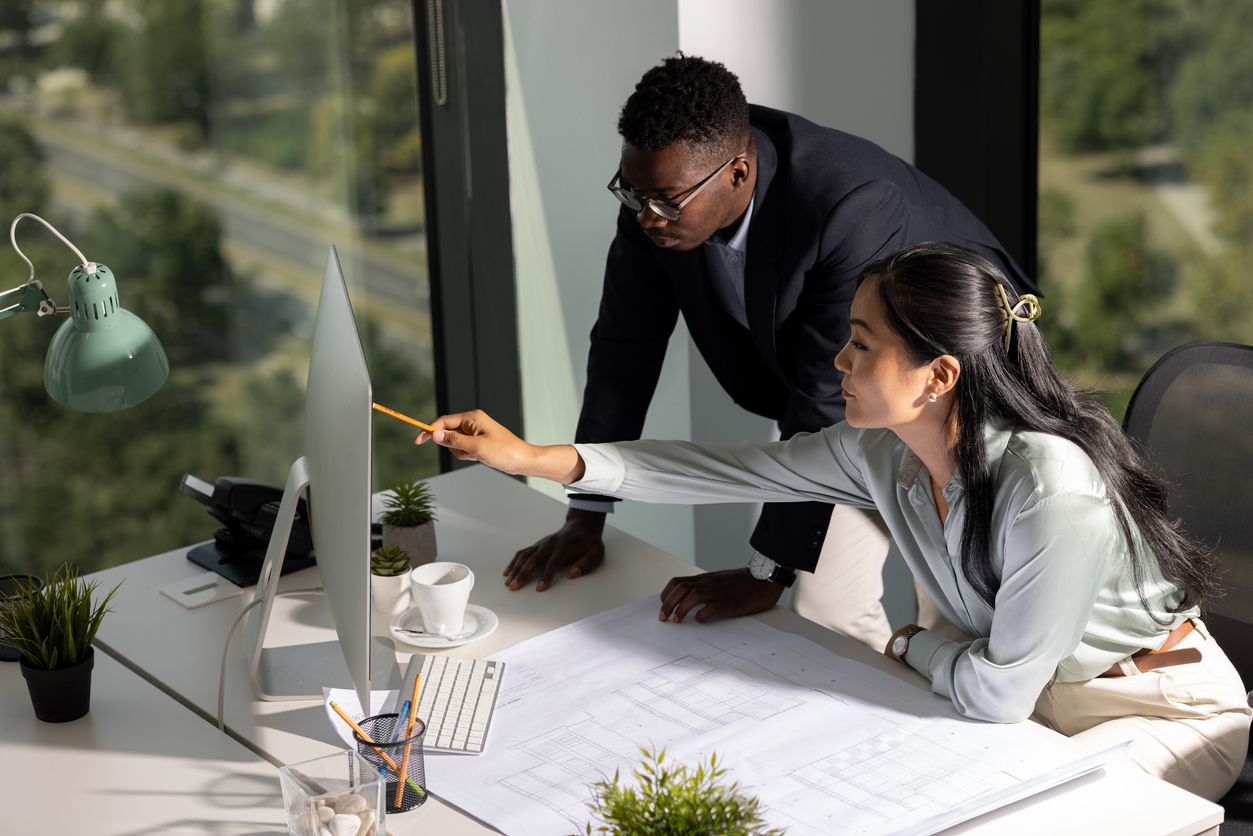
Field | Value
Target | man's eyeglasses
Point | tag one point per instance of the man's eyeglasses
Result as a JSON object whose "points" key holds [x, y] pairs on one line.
{"points": [[669, 211]]}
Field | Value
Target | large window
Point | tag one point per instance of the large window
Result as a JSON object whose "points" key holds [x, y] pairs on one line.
{"points": [[209, 152], [1146, 181]]}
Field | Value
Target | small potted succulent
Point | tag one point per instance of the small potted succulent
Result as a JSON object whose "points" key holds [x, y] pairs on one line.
{"points": [[389, 578], [52, 627], [675, 799], [409, 521]]}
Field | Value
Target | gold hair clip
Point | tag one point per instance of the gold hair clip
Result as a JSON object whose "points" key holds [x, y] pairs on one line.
{"points": [[1011, 311]]}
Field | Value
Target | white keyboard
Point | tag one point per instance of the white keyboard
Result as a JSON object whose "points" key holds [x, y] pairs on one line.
{"points": [[457, 700]]}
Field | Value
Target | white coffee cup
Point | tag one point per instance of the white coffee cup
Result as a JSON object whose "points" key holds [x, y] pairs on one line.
{"points": [[442, 591]]}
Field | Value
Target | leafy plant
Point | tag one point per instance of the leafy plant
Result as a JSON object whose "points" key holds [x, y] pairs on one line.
{"points": [[389, 561], [676, 801], [410, 505], [53, 626]]}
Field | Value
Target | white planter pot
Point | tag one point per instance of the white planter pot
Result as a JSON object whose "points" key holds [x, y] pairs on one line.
{"points": [[391, 594], [419, 542]]}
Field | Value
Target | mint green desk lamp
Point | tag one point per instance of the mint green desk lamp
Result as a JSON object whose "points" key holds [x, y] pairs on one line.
{"points": [[104, 358]]}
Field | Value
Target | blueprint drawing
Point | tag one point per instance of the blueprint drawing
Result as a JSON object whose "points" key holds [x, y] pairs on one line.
{"points": [[829, 745]]}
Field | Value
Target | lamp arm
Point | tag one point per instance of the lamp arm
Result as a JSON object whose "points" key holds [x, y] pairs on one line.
{"points": [[28, 298]]}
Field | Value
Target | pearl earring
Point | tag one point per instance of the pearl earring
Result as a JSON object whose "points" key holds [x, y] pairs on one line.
{"points": [[931, 397]]}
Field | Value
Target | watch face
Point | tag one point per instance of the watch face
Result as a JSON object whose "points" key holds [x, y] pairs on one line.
{"points": [[900, 646], [759, 568]]}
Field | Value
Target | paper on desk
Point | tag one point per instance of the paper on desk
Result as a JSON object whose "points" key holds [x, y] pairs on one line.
{"points": [[829, 745], [997, 799], [381, 702]]}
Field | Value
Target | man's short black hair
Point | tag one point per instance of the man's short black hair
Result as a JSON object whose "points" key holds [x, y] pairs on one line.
{"points": [[687, 99]]}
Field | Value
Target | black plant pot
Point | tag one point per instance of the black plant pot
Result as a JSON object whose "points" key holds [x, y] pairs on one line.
{"points": [[63, 694]]}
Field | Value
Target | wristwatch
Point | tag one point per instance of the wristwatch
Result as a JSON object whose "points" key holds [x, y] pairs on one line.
{"points": [[764, 569], [900, 642]]}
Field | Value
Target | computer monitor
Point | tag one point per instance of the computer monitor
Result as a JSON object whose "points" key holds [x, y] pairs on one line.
{"points": [[336, 470]]}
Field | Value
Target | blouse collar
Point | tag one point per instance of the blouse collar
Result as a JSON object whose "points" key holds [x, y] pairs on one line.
{"points": [[996, 435]]}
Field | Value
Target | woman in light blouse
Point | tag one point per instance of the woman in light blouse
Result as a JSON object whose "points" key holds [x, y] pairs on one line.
{"points": [[1018, 503]]}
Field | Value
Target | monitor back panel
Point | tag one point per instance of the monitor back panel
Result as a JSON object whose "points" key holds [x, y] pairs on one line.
{"points": [[338, 424]]}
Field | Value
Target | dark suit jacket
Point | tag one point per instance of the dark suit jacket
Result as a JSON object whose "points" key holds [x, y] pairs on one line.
{"points": [[826, 205]]}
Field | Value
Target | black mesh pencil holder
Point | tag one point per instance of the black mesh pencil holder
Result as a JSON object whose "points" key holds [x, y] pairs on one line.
{"points": [[11, 588], [379, 754]]}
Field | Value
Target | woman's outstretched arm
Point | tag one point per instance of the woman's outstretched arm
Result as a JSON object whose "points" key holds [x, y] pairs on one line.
{"points": [[808, 467], [475, 437]]}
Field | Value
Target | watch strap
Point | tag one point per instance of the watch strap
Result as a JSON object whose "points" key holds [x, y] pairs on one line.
{"points": [[907, 632], [783, 575]]}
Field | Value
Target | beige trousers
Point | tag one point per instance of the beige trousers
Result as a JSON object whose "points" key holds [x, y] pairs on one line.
{"points": [[843, 592], [1189, 724]]}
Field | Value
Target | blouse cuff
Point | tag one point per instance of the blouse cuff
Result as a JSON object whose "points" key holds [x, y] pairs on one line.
{"points": [[604, 469], [922, 647]]}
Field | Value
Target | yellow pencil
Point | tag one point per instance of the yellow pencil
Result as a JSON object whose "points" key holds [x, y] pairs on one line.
{"points": [[361, 733], [404, 418], [404, 762]]}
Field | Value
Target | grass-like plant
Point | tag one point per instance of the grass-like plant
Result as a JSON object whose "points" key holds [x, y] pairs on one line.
{"points": [[53, 627], [675, 801], [389, 561], [411, 504]]}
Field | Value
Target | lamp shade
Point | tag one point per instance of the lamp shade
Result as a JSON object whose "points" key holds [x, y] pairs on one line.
{"points": [[104, 358]]}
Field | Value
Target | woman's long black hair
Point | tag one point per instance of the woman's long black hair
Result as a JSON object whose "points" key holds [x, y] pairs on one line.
{"points": [[942, 299]]}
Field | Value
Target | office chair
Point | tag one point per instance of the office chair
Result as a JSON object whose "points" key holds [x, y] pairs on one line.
{"points": [[1192, 417]]}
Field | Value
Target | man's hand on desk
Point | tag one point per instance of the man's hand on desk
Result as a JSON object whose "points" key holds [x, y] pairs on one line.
{"points": [[578, 545], [729, 593]]}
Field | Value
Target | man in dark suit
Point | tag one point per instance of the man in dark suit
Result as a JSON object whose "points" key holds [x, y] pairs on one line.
{"points": [[754, 224]]}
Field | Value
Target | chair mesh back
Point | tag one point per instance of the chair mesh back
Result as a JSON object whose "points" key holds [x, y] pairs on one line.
{"points": [[1192, 415]]}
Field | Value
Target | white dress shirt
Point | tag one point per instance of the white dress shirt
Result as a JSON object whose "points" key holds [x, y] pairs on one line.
{"points": [[1066, 606]]}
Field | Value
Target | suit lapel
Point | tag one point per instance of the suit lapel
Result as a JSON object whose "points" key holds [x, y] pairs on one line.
{"points": [[766, 239]]}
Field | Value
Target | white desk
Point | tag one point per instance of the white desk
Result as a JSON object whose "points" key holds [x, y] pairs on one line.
{"points": [[483, 518], [138, 763]]}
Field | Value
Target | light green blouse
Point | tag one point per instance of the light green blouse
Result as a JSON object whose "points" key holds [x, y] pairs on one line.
{"points": [[1066, 604]]}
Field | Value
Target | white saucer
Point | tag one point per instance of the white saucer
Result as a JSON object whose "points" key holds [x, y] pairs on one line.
{"points": [[479, 622]]}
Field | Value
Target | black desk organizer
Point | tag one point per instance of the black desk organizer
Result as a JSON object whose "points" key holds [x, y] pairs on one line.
{"points": [[242, 566]]}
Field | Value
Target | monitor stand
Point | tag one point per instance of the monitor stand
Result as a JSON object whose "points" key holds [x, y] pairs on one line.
{"points": [[299, 672]]}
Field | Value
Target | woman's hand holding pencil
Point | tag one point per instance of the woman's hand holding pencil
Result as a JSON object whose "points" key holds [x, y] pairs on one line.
{"points": [[475, 437]]}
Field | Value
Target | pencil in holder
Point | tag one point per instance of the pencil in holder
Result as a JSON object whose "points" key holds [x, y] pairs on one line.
{"points": [[404, 753]]}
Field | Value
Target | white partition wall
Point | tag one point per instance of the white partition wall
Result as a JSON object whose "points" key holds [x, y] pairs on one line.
{"points": [[569, 68], [847, 64]]}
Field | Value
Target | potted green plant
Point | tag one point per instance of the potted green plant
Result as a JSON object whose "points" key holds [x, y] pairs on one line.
{"points": [[409, 521], [389, 578], [52, 627], [675, 801]]}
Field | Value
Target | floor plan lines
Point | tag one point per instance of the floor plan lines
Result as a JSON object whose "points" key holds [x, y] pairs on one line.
{"points": [[901, 772], [706, 693], [566, 763]]}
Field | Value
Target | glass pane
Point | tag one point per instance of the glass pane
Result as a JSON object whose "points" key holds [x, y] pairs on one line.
{"points": [[209, 152], [1146, 168]]}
